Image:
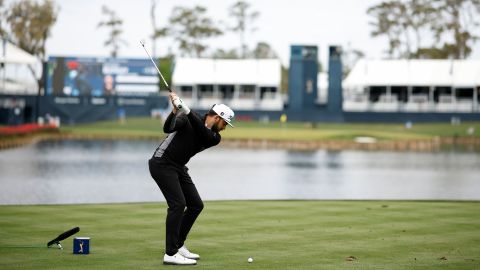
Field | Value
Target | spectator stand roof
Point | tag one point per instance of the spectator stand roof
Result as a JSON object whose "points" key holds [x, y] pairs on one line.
{"points": [[261, 72]]}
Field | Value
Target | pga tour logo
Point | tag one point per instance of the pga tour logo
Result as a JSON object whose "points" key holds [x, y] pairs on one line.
{"points": [[229, 117]]}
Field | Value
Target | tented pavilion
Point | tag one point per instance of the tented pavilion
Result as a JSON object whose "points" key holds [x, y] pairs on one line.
{"points": [[243, 84], [413, 86], [15, 76]]}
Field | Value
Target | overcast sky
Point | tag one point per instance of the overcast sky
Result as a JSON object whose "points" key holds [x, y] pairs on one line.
{"points": [[281, 23]]}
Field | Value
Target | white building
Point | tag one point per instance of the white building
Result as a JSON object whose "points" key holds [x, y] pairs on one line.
{"points": [[247, 84], [413, 86]]}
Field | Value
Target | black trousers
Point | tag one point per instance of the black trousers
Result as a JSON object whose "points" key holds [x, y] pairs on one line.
{"points": [[184, 202]]}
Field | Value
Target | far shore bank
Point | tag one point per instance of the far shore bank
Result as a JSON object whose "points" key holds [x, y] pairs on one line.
{"points": [[421, 145]]}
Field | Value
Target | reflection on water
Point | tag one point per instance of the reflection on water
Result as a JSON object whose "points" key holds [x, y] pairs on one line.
{"points": [[117, 171]]}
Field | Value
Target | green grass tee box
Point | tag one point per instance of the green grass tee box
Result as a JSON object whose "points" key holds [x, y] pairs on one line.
{"points": [[276, 234]]}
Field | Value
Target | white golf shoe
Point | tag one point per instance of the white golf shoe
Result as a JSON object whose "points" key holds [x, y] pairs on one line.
{"points": [[187, 254], [178, 259]]}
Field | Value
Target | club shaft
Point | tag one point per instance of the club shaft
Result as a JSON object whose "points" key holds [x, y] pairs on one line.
{"points": [[158, 70]]}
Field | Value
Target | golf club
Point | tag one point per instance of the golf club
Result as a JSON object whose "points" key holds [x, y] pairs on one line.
{"points": [[164, 81], [55, 241], [63, 236]]}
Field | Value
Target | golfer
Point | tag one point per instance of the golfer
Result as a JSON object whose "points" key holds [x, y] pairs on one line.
{"points": [[188, 134]]}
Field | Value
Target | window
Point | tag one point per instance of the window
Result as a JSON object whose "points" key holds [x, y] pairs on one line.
{"points": [[441, 91], [420, 90], [267, 92], [206, 90], [226, 91], [464, 93], [401, 92], [420, 94], [186, 91], [376, 92], [247, 91]]}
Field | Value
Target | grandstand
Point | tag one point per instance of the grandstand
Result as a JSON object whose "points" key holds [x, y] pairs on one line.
{"points": [[245, 84], [413, 86]]}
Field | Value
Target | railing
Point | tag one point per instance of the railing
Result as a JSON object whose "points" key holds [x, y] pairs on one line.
{"points": [[415, 105]]}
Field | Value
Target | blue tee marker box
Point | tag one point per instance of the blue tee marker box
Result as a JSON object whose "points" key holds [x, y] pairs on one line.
{"points": [[81, 245]]}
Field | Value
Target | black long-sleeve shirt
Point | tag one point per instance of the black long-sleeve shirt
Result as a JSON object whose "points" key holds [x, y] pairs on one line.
{"points": [[187, 135]]}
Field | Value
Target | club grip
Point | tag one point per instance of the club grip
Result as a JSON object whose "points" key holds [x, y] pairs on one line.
{"points": [[64, 235]]}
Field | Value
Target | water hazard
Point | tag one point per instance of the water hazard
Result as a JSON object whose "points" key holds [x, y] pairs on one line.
{"points": [[64, 172]]}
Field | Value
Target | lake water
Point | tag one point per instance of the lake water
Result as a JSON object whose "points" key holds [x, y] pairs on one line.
{"points": [[65, 172]]}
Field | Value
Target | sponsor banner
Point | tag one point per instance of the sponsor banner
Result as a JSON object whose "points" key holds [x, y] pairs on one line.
{"points": [[9, 103], [98, 101], [67, 100], [131, 102]]}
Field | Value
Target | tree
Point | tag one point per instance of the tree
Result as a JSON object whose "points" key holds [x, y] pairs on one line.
{"points": [[3, 15], [225, 54], [161, 32], [263, 51], [435, 53], [457, 20], [190, 27], [164, 64], [449, 25], [30, 23], [284, 80], [421, 14], [240, 12], [402, 23], [3, 32], [114, 23], [350, 56], [154, 37]]}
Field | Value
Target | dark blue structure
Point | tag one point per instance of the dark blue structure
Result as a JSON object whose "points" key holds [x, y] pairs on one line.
{"points": [[302, 86], [335, 98]]}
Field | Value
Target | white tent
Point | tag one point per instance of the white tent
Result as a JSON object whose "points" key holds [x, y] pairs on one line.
{"points": [[15, 76], [452, 73], [263, 72], [413, 85], [263, 76], [11, 54]]}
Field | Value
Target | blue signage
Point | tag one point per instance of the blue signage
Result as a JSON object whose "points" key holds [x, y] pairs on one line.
{"points": [[83, 76]]}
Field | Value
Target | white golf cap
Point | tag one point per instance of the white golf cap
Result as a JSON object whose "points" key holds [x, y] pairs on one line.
{"points": [[224, 112]]}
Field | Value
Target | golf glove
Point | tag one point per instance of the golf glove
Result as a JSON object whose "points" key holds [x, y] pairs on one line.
{"points": [[181, 106]]}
